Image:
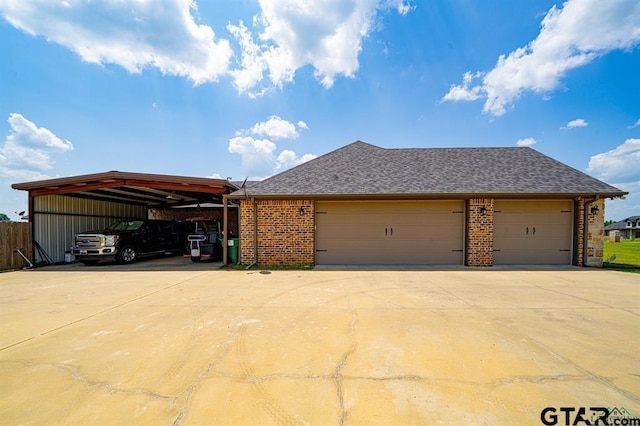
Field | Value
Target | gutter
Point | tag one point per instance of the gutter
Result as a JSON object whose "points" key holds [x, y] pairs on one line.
{"points": [[433, 196]]}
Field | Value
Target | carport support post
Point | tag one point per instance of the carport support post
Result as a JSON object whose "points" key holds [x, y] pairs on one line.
{"points": [[225, 229]]}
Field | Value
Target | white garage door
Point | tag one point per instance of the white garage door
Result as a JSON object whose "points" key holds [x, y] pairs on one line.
{"points": [[533, 232], [390, 232]]}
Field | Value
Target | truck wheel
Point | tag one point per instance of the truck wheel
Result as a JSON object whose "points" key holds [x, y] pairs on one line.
{"points": [[126, 254]]}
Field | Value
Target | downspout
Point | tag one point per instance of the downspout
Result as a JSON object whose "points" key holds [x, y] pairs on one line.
{"points": [[255, 235], [225, 229]]}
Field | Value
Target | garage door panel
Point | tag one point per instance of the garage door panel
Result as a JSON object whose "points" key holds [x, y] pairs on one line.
{"points": [[389, 232], [542, 257], [533, 232]]}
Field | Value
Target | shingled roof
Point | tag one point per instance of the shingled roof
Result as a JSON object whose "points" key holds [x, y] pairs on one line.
{"points": [[363, 170], [622, 224]]}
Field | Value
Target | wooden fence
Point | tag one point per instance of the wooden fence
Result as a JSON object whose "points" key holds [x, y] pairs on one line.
{"points": [[14, 236]]}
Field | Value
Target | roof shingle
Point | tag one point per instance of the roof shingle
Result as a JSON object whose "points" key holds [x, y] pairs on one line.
{"points": [[361, 169]]}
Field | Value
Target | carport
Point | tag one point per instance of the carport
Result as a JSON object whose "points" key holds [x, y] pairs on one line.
{"points": [[62, 207]]}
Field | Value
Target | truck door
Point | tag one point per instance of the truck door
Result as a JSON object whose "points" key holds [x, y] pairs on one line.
{"points": [[166, 236], [149, 240]]}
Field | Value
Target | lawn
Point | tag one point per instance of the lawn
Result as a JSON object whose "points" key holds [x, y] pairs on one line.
{"points": [[627, 254]]}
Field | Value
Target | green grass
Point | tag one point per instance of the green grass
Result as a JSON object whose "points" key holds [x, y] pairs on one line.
{"points": [[627, 255]]}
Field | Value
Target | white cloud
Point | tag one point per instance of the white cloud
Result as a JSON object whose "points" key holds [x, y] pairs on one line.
{"points": [[137, 34], [634, 125], [621, 163], [26, 150], [326, 34], [403, 7], [259, 155], [252, 62], [578, 122], [464, 92], [131, 34], [275, 128], [288, 159], [570, 37], [618, 209], [619, 167], [526, 142]]}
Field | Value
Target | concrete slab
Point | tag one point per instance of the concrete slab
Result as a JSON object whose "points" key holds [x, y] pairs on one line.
{"points": [[168, 342]]}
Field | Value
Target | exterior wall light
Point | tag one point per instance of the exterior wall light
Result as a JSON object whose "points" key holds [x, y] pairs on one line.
{"points": [[594, 210], [302, 210], [483, 210]]}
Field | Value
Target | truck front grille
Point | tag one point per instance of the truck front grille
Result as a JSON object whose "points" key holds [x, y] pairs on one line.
{"points": [[89, 241]]}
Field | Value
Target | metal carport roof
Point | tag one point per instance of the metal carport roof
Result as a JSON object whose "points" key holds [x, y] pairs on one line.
{"points": [[149, 190]]}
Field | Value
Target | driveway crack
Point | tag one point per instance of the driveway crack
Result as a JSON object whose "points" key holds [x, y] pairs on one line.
{"points": [[337, 376]]}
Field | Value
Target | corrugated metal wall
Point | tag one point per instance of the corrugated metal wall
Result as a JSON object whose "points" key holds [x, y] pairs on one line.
{"points": [[56, 219]]}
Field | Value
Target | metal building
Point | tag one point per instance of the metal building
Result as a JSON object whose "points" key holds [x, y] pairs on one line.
{"points": [[60, 208]]}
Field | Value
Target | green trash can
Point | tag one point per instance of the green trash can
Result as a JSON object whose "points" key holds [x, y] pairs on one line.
{"points": [[232, 249]]}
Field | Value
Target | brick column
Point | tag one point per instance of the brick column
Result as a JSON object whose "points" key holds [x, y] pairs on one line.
{"points": [[479, 232], [580, 233], [246, 232], [595, 233]]}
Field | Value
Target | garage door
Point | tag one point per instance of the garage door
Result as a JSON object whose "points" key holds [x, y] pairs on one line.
{"points": [[388, 233], [533, 232]]}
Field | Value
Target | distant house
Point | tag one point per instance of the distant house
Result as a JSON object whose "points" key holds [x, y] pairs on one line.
{"points": [[629, 228]]}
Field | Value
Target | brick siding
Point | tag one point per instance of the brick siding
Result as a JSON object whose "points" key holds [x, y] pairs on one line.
{"points": [[480, 232], [285, 232]]}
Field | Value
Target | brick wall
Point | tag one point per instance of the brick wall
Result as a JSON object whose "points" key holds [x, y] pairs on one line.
{"points": [[480, 232], [285, 232]]}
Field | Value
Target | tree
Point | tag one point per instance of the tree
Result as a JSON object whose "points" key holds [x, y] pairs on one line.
{"points": [[609, 222], [4, 218]]}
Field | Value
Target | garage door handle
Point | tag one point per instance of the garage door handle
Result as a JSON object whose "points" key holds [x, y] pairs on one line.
{"points": [[534, 230], [527, 230], [392, 232], [385, 231]]}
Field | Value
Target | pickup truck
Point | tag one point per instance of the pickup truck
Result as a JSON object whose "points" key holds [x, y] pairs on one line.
{"points": [[126, 240]]}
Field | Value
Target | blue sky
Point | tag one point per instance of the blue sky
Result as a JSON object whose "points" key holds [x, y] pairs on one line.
{"points": [[248, 88]]}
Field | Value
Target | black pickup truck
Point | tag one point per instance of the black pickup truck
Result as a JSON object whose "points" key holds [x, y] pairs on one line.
{"points": [[126, 240]]}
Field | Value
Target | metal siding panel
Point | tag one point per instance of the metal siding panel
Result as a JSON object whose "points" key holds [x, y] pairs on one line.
{"points": [[58, 218]]}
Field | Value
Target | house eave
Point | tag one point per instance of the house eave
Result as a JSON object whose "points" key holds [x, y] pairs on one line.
{"points": [[428, 196]]}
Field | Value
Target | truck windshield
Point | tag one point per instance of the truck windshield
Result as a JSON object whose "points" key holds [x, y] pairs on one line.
{"points": [[126, 225]]}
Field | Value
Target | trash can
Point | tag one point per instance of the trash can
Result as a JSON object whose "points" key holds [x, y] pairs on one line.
{"points": [[232, 249]]}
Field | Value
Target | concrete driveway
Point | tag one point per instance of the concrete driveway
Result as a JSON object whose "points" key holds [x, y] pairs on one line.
{"points": [[186, 344]]}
